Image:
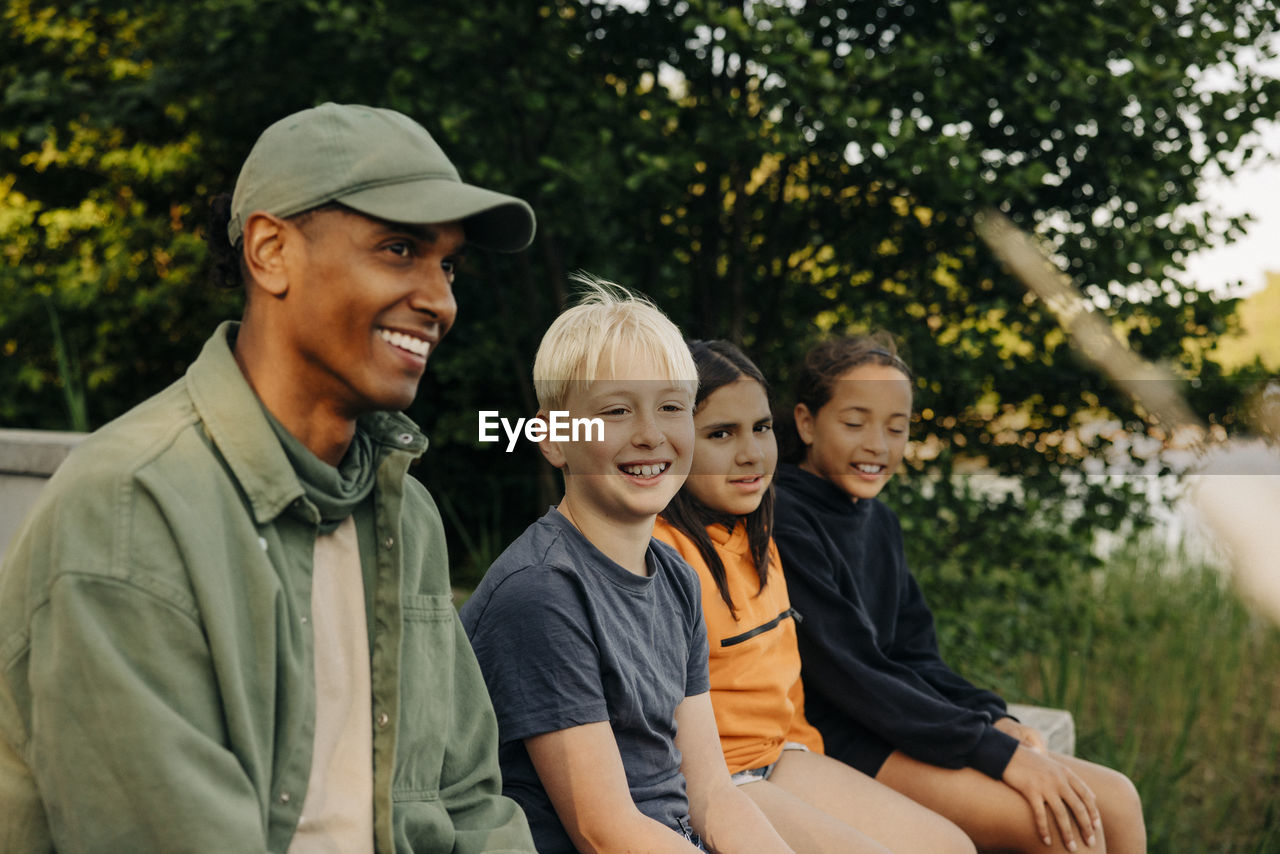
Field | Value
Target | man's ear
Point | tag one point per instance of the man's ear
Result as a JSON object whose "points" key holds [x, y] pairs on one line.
{"points": [[553, 451], [804, 423], [265, 237]]}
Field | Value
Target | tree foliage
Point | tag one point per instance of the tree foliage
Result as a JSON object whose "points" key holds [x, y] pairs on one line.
{"points": [[767, 171]]}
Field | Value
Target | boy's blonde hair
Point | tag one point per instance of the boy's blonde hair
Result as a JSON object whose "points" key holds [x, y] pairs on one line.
{"points": [[583, 343]]}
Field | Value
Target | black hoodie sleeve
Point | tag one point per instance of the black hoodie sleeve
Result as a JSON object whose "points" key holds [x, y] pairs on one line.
{"points": [[896, 698], [916, 645]]}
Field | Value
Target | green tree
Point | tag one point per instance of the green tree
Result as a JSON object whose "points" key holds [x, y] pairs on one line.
{"points": [[767, 171]]}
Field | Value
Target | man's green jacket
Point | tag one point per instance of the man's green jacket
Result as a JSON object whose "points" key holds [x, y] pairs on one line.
{"points": [[156, 672]]}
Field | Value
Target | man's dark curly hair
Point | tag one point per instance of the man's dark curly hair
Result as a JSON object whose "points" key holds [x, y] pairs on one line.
{"points": [[227, 260]]}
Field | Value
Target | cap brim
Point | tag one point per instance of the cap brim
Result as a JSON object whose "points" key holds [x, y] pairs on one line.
{"points": [[491, 220]]}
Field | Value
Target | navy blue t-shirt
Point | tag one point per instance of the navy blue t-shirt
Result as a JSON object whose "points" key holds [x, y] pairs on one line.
{"points": [[565, 636]]}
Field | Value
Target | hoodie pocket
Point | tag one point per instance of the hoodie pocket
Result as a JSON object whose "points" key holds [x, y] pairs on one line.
{"points": [[761, 629]]}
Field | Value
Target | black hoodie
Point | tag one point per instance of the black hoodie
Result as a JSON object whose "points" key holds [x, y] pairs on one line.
{"points": [[874, 681]]}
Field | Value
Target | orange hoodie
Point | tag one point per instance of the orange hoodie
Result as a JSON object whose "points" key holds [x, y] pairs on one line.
{"points": [[755, 665]]}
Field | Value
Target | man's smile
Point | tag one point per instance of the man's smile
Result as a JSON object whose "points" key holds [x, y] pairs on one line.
{"points": [[409, 343]]}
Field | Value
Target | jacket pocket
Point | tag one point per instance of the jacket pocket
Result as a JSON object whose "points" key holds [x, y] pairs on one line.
{"points": [[426, 696]]}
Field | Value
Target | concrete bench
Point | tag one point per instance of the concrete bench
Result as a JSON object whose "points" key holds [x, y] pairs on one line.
{"points": [[27, 459], [1056, 725]]}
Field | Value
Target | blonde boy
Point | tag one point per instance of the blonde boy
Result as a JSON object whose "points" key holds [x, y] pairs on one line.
{"points": [[589, 632]]}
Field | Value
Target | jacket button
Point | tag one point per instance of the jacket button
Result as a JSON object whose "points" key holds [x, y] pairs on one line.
{"points": [[284, 797], [388, 542], [383, 719]]}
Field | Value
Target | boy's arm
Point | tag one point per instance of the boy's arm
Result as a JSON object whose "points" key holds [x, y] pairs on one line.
{"points": [[581, 769], [725, 818]]}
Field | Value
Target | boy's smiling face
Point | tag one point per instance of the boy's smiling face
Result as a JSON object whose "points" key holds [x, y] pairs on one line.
{"points": [[644, 457]]}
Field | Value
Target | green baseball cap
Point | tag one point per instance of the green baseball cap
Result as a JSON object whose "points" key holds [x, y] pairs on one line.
{"points": [[378, 162]]}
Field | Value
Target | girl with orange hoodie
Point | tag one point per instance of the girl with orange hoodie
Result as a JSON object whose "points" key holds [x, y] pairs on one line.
{"points": [[720, 522]]}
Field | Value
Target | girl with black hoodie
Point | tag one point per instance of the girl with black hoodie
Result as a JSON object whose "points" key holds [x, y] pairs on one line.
{"points": [[875, 684]]}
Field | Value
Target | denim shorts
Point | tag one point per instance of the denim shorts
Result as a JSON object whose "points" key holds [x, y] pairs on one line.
{"points": [[751, 775], [687, 830]]}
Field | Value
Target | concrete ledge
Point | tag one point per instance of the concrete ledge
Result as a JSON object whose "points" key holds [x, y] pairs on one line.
{"points": [[27, 459], [35, 453], [1056, 725]]}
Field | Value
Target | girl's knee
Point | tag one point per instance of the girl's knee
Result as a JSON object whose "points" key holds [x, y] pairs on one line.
{"points": [[1128, 794], [961, 844], [949, 838], [1117, 796], [1123, 825], [1122, 818]]}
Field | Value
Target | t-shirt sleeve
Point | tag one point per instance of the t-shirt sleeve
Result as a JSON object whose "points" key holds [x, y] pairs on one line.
{"points": [[698, 674], [537, 649], [687, 591]]}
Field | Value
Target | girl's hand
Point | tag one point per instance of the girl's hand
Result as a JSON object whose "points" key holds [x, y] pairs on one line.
{"points": [[1050, 786], [1029, 736]]}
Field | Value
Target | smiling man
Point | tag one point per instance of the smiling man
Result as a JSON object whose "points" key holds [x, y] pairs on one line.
{"points": [[227, 624]]}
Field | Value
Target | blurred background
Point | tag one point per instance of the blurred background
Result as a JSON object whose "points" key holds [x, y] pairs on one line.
{"points": [[769, 172]]}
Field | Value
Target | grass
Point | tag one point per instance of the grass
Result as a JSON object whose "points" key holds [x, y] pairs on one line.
{"points": [[1172, 681]]}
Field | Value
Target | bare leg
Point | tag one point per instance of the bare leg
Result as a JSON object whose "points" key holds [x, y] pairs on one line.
{"points": [[807, 829], [998, 818], [1119, 803], [819, 804]]}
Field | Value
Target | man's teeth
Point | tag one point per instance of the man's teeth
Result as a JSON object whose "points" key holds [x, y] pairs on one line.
{"points": [[405, 342], [646, 471], [868, 468]]}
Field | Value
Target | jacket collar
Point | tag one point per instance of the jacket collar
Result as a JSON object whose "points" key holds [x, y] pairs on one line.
{"points": [[818, 492], [734, 538], [237, 426]]}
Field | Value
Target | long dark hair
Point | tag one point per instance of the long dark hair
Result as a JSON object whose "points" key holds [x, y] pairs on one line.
{"points": [[720, 363], [823, 365]]}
